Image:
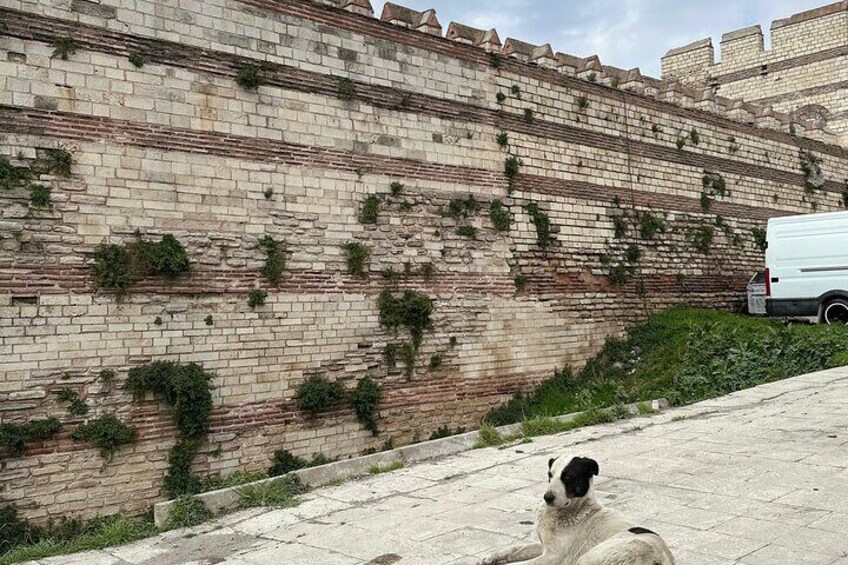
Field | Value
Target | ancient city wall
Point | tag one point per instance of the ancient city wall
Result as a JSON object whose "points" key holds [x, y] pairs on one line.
{"points": [[349, 105], [805, 70]]}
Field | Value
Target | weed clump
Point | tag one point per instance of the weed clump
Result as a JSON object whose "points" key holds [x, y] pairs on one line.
{"points": [[500, 216], [365, 399], [186, 512], [249, 78], [412, 311], [118, 267], [370, 210], [356, 258], [275, 259], [14, 437], [106, 433], [542, 223], [318, 393], [256, 298]]}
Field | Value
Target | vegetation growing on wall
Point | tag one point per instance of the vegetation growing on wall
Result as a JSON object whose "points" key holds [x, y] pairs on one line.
{"points": [[467, 231], [714, 185], [39, 195], [317, 393], [702, 239], [107, 433], [249, 78], [256, 298], [813, 174], [284, 462], [512, 166], [459, 208], [275, 259], [186, 389], [365, 399], [356, 258], [502, 139], [347, 90], [63, 47], [412, 311], [650, 225], [118, 267], [136, 59], [14, 437], [370, 210], [500, 216], [542, 223], [759, 235]]}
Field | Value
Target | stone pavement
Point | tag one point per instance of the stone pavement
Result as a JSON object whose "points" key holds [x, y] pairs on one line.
{"points": [[758, 477]]}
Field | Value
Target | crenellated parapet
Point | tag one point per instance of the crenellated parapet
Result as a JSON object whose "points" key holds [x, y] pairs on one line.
{"points": [[803, 33], [687, 71], [804, 70]]}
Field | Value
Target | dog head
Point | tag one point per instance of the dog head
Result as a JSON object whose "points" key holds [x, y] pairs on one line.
{"points": [[570, 480]]}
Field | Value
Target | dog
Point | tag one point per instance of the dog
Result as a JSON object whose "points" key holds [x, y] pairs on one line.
{"points": [[575, 529]]}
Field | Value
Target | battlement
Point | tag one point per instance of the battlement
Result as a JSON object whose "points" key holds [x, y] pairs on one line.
{"points": [[698, 55], [806, 32], [802, 73]]}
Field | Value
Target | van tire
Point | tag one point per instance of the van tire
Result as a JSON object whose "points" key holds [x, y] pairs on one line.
{"points": [[835, 312]]}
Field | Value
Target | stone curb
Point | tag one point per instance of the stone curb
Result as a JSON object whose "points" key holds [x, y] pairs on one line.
{"points": [[225, 500]]}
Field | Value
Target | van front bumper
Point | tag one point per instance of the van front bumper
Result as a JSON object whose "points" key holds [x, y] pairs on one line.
{"points": [[804, 307]]}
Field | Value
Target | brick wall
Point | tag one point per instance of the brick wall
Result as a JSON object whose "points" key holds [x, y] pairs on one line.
{"points": [[805, 69], [177, 147]]}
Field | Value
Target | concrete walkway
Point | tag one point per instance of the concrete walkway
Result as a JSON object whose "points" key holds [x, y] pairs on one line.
{"points": [[758, 477]]}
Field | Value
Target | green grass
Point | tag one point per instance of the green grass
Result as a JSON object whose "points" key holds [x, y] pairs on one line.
{"points": [[97, 534], [378, 470], [281, 493], [186, 512], [684, 355]]}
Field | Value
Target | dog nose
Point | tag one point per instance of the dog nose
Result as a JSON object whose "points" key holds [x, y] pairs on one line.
{"points": [[549, 497]]}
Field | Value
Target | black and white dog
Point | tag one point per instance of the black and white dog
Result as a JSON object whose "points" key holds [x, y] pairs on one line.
{"points": [[575, 529]]}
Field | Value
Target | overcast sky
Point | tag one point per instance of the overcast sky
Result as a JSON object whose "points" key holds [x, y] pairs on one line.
{"points": [[623, 33]]}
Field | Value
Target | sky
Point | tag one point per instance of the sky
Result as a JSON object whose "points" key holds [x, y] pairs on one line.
{"points": [[623, 33]]}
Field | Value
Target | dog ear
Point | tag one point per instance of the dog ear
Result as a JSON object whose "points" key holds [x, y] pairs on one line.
{"points": [[551, 462], [593, 466]]}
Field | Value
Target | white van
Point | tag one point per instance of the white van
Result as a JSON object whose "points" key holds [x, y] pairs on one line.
{"points": [[807, 266]]}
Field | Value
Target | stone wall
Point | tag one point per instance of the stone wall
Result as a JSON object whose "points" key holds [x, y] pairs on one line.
{"points": [[175, 146], [804, 71]]}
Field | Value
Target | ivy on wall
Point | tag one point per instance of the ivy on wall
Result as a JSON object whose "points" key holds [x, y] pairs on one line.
{"points": [[186, 390], [14, 437]]}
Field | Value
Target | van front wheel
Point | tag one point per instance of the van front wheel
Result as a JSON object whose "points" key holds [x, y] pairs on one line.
{"points": [[836, 312]]}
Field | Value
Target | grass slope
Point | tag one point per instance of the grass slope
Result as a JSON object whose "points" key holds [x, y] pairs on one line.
{"points": [[684, 355]]}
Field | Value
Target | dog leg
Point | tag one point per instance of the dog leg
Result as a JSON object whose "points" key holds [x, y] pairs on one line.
{"points": [[515, 554]]}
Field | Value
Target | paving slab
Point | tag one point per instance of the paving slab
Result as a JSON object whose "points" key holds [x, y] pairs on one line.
{"points": [[758, 477]]}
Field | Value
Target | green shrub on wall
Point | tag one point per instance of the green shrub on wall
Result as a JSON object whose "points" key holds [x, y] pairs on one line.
{"points": [[542, 223], [370, 210], [63, 47], [106, 433], [356, 258], [14, 437], [275, 259], [365, 399], [248, 77], [412, 310], [118, 267], [500, 216], [318, 393]]}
